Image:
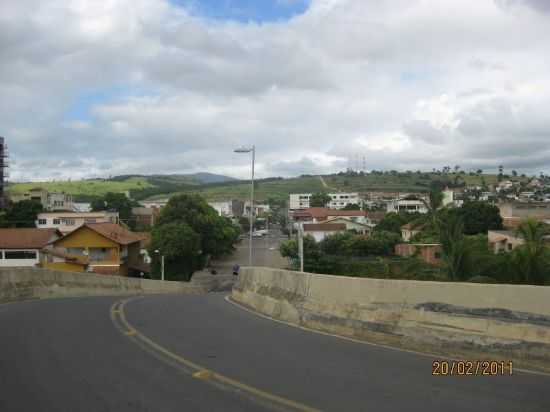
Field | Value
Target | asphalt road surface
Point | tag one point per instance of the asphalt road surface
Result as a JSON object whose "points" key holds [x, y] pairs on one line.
{"points": [[202, 353], [265, 251]]}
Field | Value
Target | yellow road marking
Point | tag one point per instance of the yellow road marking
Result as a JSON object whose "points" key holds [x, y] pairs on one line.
{"points": [[206, 374], [131, 333], [203, 374]]}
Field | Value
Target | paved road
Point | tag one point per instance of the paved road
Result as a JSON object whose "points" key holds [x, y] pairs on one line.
{"points": [[69, 355], [265, 252]]}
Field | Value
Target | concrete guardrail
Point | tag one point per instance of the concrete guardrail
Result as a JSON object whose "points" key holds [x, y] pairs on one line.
{"points": [[460, 320], [35, 283]]}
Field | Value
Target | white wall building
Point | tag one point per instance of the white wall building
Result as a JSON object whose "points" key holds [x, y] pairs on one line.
{"points": [[51, 201], [68, 221], [406, 205], [20, 247], [339, 200], [223, 208]]}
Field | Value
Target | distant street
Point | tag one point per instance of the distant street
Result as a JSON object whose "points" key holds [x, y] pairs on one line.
{"points": [[265, 251]]}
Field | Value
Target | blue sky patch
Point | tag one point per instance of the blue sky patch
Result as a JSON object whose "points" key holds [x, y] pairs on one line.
{"points": [[259, 11]]}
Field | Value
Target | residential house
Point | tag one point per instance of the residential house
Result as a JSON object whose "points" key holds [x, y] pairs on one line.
{"points": [[407, 204], [299, 201], [22, 246], [160, 203], [68, 221], [51, 201], [428, 252], [503, 240], [352, 225], [104, 248], [322, 214], [321, 230], [259, 209]]}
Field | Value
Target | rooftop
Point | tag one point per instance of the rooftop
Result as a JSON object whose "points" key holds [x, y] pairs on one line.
{"points": [[26, 238]]}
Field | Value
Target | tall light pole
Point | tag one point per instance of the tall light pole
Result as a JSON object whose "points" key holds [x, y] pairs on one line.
{"points": [[252, 150], [161, 264]]}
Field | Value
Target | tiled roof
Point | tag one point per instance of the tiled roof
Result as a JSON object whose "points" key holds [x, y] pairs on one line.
{"points": [[115, 233], [324, 227], [26, 238], [323, 212]]}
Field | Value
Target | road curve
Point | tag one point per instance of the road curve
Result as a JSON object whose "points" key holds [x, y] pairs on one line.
{"points": [[101, 354]]}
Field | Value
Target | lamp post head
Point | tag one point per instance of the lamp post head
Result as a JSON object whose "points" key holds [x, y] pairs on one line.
{"points": [[243, 149]]}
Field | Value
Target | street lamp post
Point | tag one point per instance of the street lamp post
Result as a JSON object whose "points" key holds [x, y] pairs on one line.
{"points": [[161, 264], [252, 150]]}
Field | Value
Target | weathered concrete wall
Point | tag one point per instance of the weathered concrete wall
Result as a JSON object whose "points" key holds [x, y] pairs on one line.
{"points": [[458, 319], [34, 283]]}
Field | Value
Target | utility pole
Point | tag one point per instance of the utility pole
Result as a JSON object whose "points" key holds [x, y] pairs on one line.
{"points": [[301, 246], [251, 217]]}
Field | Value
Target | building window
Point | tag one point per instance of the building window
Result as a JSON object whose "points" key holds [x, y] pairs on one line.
{"points": [[509, 246], [19, 254], [437, 255], [42, 221], [68, 222], [57, 221]]}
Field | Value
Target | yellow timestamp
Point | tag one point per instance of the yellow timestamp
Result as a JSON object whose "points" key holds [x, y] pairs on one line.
{"points": [[472, 368]]}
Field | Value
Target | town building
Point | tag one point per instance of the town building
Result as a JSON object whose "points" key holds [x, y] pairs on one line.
{"points": [[503, 240], [104, 248], [22, 246], [145, 216], [513, 213], [51, 201], [321, 214], [259, 209], [407, 204], [68, 221], [351, 225], [230, 208], [321, 230], [159, 204], [300, 201]]}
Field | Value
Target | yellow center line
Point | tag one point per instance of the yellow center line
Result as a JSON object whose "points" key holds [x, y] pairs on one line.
{"points": [[201, 372]]}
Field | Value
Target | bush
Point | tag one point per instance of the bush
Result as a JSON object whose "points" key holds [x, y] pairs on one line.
{"points": [[482, 279]]}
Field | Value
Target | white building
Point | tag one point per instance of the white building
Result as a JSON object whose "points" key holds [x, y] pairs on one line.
{"points": [[154, 203], [21, 247], [68, 221], [406, 205], [51, 201], [338, 200], [223, 208], [321, 230]]}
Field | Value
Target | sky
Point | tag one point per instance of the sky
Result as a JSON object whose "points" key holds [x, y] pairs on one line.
{"points": [[98, 88]]}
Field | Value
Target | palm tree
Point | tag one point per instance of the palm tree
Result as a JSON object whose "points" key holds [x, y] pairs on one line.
{"points": [[453, 245], [531, 260]]}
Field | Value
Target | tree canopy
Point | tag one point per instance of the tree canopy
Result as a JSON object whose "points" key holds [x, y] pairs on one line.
{"points": [[319, 200], [115, 201], [21, 214], [196, 232]]}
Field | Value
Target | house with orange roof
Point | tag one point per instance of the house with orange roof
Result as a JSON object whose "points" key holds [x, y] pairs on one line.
{"points": [[104, 248], [21, 247]]}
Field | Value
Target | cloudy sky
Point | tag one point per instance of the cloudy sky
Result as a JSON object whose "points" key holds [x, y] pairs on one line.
{"points": [[97, 88]]}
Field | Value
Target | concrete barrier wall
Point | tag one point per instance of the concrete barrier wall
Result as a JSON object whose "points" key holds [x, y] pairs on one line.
{"points": [[35, 283], [459, 319]]}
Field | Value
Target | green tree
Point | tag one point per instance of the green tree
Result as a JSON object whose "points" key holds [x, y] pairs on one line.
{"points": [[319, 199], [217, 233], [22, 214], [115, 201], [352, 206], [479, 217], [180, 246], [433, 204], [453, 246], [532, 259]]}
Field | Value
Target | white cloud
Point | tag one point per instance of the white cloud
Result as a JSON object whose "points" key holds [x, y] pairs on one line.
{"points": [[407, 84]]}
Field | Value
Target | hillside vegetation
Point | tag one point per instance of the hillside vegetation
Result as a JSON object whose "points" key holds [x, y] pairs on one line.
{"points": [[215, 187]]}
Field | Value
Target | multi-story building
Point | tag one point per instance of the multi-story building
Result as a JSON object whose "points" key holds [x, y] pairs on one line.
{"points": [[51, 201], [68, 221], [338, 200]]}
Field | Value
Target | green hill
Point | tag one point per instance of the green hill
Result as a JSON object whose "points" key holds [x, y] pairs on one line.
{"points": [[215, 187]]}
